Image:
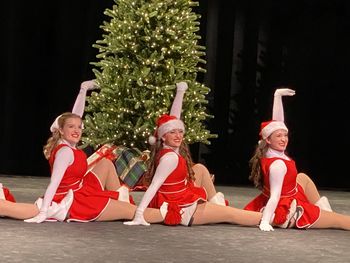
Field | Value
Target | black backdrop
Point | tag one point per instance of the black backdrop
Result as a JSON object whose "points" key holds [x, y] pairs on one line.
{"points": [[252, 48]]}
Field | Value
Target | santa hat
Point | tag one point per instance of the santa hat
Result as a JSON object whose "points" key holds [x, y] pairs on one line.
{"points": [[268, 127], [54, 126], [165, 123]]}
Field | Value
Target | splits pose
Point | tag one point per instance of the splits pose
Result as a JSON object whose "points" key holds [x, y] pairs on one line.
{"points": [[288, 198], [172, 186], [74, 193]]}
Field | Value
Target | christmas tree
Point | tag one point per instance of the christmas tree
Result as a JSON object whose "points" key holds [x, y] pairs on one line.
{"points": [[147, 47]]}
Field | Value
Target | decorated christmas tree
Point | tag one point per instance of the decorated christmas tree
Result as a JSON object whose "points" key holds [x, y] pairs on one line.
{"points": [[147, 47]]}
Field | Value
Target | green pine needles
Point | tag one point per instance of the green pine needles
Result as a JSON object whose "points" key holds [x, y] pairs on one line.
{"points": [[147, 47]]}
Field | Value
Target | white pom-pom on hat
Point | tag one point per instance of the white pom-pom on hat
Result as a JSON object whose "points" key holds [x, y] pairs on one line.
{"points": [[152, 140]]}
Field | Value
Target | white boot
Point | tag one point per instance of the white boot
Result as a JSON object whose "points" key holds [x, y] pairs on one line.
{"points": [[292, 215], [186, 212], [123, 194], [58, 211], [218, 199], [2, 194], [323, 203]]}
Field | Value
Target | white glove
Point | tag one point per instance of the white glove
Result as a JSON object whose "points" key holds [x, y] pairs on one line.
{"points": [[265, 226], [284, 92], [181, 86], [176, 107], [88, 85], [138, 219], [39, 218], [79, 104], [277, 110]]}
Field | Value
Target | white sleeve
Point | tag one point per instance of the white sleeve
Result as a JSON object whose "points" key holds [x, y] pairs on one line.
{"points": [[176, 107], [278, 170], [79, 105], [64, 157], [277, 111], [167, 164]]}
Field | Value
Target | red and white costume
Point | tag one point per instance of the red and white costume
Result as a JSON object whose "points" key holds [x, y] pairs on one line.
{"points": [[90, 198], [309, 213], [177, 191]]}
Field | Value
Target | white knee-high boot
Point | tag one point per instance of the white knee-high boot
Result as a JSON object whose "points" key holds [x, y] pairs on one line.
{"points": [[2, 194], [58, 211], [323, 203], [218, 199], [123, 194]]}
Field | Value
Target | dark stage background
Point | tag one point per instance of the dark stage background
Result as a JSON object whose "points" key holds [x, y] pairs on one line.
{"points": [[252, 48]]}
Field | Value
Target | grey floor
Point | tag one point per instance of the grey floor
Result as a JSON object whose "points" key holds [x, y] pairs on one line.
{"points": [[115, 242]]}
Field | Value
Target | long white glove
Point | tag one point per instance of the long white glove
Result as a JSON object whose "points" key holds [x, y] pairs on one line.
{"points": [[277, 111], [166, 166], [176, 107], [79, 105], [278, 170], [64, 157]]}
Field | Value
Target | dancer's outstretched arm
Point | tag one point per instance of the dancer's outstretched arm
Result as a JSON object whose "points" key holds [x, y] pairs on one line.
{"points": [[176, 107], [79, 105], [166, 166], [277, 111]]}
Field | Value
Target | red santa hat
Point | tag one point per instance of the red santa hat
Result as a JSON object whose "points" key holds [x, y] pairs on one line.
{"points": [[165, 123], [268, 127]]}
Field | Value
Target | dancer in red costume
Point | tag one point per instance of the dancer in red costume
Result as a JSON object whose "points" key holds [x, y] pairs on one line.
{"points": [[77, 194], [288, 199], [172, 187]]}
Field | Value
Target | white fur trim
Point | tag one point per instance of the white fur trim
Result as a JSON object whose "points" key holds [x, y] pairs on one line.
{"points": [[170, 125], [271, 127], [54, 125]]}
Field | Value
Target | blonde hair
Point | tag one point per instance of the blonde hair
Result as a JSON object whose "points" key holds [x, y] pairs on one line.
{"points": [[183, 151], [52, 142]]}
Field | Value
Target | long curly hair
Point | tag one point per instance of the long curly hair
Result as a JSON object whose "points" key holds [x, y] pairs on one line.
{"points": [[255, 166], [56, 136], [184, 151]]}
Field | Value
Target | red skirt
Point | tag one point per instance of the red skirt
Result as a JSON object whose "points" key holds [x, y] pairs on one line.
{"points": [[90, 199], [308, 215], [190, 195]]}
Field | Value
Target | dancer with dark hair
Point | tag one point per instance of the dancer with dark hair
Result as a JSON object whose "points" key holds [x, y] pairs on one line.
{"points": [[172, 188], [288, 199]]}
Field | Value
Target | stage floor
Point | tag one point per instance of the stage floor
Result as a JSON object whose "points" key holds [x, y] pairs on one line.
{"points": [[115, 242]]}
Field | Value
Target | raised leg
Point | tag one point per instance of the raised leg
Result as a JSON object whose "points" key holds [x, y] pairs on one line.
{"points": [[107, 174], [309, 187], [203, 179]]}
